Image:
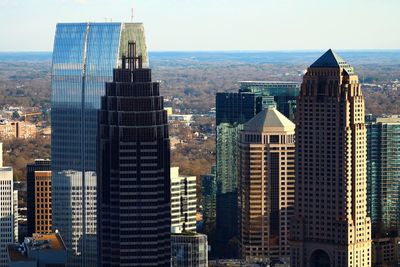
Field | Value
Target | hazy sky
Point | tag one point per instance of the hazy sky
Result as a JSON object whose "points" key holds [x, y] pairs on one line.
{"points": [[29, 25]]}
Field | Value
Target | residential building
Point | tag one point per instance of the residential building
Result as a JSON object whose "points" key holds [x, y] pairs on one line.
{"points": [[17, 129], [183, 202], [266, 186], [189, 249], [208, 196], [39, 211], [383, 175], [84, 56], [134, 185], [331, 226], [40, 250], [7, 210], [279, 94]]}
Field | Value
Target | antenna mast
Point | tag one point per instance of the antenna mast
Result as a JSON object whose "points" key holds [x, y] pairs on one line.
{"points": [[132, 14]]}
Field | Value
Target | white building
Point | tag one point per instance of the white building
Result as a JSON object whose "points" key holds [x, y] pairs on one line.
{"points": [[7, 209], [183, 202]]}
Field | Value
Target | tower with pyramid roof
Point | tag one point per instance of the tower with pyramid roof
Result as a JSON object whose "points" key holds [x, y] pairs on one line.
{"points": [[330, 226], [266, 186]]}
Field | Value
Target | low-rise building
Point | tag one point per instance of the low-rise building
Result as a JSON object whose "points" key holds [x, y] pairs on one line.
{"points": [[38, 251], [189, 249]]}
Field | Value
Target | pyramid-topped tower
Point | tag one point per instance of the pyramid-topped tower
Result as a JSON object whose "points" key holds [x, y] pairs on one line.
{"points": [[330, 226]]}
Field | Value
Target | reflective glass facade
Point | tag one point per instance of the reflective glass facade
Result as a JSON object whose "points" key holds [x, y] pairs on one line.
{"points": [[84, 56], [281, 95], [232, 110], [383, 176]]}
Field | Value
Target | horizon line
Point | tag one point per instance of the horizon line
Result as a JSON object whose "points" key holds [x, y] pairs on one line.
{"points": [[240, 51]]}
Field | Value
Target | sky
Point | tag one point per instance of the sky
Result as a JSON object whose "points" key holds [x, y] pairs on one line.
{"points": [[188, 25]]}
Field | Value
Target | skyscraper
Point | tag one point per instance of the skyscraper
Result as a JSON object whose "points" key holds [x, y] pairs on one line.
{"points": [[330, 226], [208, 196], [266, 186], [383, 175], [279, 94], [232, 110], [39, 212], [134, 213], [7, 209], [183, 202], [84, 56]]}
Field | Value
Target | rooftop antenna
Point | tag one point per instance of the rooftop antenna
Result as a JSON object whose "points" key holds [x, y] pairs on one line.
{"points": [[132, 14]]}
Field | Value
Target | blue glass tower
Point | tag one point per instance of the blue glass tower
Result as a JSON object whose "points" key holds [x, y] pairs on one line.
{"points": [[84, 56]]}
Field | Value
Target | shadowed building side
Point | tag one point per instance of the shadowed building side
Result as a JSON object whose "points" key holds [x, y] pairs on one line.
{"points": [[133, 171]]}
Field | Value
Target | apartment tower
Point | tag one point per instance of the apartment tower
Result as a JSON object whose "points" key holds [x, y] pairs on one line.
{"points": [[331, 226], [133, 168], [8, 214], [183, 202], [266, 186]]}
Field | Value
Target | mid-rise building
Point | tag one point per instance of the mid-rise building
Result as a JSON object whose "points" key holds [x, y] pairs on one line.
{"points": [[183, 202], [17, 129], [279, 94], [189, 249], [133, 171], [383, 175], [40, 250], [39, 210], [208, 196], [266, 186], [331, 226], [8, 214], [84, 56]]}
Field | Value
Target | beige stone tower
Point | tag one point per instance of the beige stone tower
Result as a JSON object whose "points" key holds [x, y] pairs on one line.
{"points": [[330, 226], [266, 186]]}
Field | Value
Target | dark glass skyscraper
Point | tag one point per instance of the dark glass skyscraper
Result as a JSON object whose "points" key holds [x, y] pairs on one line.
{"points": [[134, 214], [279, 94], [84, 56], [232, 110]]}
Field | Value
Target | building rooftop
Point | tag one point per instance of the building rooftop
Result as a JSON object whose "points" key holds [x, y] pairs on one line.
{"points": [[39, 242], [332, 60], [270, 120]]}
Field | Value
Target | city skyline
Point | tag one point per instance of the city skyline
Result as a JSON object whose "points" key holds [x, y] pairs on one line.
{"points": [[229, 25]]}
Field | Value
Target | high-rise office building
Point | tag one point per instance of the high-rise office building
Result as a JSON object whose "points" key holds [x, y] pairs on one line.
{"points": [[232, 110], [383, 175], [84, 56], [208, 196], [7, 210], [183, 202], [134, 187], [330, 226], [279, 94], [189, 249], [266, 186], [39, 211]]}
